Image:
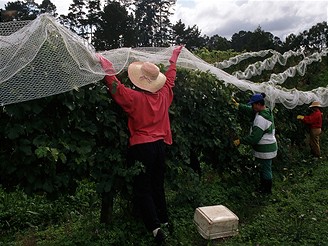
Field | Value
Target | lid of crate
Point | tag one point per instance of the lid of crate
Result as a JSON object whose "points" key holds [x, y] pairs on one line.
{"points": [[217, 213]]}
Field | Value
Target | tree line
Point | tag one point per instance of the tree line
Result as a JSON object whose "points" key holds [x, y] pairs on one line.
{"points": [[145, 23]]}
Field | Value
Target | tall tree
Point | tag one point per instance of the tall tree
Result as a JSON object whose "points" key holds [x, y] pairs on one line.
{"points": [[292, 42], [153, 21], [316, 38], [145, 17], [179, 34], [163, 28], [194, 38], [255, 41], [76, 18], [260, 40], [116, 28], [93, 17], [218, 43], [48, 7], [189, 36], [241, 40], [278, 44], [20, 10]]}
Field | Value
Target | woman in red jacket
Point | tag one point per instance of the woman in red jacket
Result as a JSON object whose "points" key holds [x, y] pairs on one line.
{"points": [[150, 131], [314, 121]]}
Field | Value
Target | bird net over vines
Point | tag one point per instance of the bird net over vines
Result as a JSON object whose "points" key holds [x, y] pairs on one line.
{"points": [[40, 58]]}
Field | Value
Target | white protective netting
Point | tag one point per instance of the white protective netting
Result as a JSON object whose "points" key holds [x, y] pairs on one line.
{"points": [[40, 58]]}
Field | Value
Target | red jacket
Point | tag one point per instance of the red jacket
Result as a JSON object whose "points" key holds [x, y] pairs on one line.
{"points": [[314, 120], [148, 113]]}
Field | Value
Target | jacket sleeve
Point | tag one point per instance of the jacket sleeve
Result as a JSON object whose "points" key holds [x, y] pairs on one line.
{"points": [[310, 119], [244, 108], [122, 95], [171, 74], [254, 137]]}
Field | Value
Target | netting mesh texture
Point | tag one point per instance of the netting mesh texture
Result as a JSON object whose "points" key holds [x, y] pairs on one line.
{"points": [[40, 58]]}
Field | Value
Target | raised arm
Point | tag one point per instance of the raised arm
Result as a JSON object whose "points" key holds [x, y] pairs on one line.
{"points": [[175, 54]]}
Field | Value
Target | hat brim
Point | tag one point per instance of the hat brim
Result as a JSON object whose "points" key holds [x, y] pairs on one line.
{"points": [[137, 78], [315, 104], [251, 102]]}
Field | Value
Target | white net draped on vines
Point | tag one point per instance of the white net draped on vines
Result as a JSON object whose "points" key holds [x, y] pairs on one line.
{"points": [[40, 58]]}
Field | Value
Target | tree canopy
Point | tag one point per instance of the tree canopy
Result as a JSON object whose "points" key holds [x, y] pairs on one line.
{"points": [[144, 23]]}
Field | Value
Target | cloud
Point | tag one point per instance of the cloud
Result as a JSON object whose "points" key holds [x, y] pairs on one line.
{"points": [[225, 18]]}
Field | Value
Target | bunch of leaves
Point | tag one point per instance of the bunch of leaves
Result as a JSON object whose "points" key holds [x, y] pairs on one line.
{"points": [[214, 56], [20, 212], [203, 120]]}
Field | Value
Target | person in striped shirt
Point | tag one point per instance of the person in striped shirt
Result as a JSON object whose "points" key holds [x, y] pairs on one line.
{"points": [[261, 138]]}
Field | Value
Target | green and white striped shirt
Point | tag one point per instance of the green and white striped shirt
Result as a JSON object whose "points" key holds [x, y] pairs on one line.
{"points": [[262, 135]]}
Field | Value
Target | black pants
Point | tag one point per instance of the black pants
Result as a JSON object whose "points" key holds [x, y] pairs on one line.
{"points": [[148, 186]]}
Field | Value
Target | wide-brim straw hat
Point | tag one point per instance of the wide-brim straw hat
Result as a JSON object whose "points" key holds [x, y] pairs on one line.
{"points": [[146, 76], [315, 104]]}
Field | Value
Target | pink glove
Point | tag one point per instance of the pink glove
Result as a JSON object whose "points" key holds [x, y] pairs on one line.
{"points": [[106, 65], [175, 54]]}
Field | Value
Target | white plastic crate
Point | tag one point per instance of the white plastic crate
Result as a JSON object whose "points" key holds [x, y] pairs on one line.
{"points": [[216, 222]]}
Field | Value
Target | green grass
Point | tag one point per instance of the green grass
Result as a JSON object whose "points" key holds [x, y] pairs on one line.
{"points": [[296, 213]]}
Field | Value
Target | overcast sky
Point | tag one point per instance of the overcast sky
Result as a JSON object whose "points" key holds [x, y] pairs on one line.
{"points": [[226, 17]]}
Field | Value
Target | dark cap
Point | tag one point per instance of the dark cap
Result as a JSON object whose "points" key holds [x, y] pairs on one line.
{"points": [[256, 98]]}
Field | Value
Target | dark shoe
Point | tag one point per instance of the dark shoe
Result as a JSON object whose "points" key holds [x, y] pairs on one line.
{"points": [[160, 238], [265, 187], [260, 188]]}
